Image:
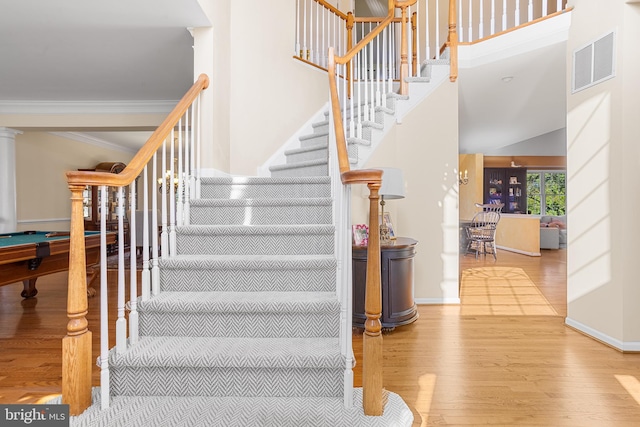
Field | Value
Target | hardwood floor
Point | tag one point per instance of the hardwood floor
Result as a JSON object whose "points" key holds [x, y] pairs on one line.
{"points": [[450, 367]]}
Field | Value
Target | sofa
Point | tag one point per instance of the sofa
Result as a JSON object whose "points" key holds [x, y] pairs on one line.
{"points": [[553, 232]]}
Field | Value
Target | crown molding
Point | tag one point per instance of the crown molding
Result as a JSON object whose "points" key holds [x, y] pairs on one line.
{"points": [[87, 107], [91, 140]]}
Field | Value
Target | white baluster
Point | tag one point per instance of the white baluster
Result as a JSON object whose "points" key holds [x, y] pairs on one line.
{"points": [[347, 275], [304, 31], [530, 11], [311, 34], [121, 323], [558, 5], [460, 25], [187, 161], [365, 82], [298, 17], [164, 236], [352, 120], [372, 113], [545, 7], [517, 14], [317, 35], [437, 46], [104, 304], [179, 202], [198, 146], [493, 17], [172, 197], [360, 107], [504, 15], [418, 39], [146, 268], [481, 25], [324, 46], [155, 269], [390, 60], [470, 21], [378, 75], [427, 35], [133, 270]]}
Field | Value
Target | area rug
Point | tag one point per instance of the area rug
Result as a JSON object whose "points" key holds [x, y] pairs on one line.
{"points": [[501, 291]]}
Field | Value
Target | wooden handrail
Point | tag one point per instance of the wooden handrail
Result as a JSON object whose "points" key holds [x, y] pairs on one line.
{"points": [[332, 9], [142, 157], [76, 345]]}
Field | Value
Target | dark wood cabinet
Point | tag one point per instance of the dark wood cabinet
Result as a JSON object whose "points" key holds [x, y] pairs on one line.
{"points": [[507, 186], [396, 264]]}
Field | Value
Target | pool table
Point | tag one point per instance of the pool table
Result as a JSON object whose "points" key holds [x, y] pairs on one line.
{"points": [[27, 255]]}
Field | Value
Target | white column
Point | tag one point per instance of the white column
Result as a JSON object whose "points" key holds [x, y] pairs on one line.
{"points": [[8, 212]]}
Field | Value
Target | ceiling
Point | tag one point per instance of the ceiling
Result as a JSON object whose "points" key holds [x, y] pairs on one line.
{"points": [[123, 50]]}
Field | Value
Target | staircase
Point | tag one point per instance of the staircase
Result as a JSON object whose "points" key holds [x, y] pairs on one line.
{"points": [[245, 330]]}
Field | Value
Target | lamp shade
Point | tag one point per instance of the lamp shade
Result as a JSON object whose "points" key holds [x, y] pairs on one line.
{"points": [[392, 184]]}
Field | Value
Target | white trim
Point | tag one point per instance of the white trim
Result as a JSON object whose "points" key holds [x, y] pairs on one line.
{"points": [[518, 251], [92, 140], [87, 107], [436, 301], [613, 342], [32, 221]]}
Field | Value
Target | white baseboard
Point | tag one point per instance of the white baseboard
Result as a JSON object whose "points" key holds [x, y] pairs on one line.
{"points": [[518, 251], [437, 301], [613, 342], [212, 173]]}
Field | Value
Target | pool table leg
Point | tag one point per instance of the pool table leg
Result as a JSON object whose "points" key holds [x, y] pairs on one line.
{"points": [[30, 290]]}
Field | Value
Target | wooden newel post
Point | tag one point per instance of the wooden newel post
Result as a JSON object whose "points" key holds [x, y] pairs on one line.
{"points": [[453, 41], [76, 346], [372, 337]]}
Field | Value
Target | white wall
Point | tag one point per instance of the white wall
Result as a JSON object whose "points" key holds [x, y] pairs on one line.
{"points": [[603, 158], [425, 148], [43, 197], [261, 94]]}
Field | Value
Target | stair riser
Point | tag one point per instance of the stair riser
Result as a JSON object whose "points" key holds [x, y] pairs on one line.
{"points": [[313, 140], [254, 325], [213, 280], [254, 191], [272, 244], [260, 215], [211, 381], [318, 170], [321, 127], [307, 155]]}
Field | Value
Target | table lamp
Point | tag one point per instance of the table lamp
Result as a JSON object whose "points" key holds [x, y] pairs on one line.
{"points": [[392, 188]]}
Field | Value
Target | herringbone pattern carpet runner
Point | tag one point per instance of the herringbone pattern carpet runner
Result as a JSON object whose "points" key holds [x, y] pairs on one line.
{"points": [[245, 330]]}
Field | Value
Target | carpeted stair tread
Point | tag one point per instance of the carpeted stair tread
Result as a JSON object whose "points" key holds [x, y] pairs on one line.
{"points": [[266, 187], [248, 273], [175, 411], [231, 352], [307, 163], [249, 262], [242, 302], [280, 202], [253, 230]]}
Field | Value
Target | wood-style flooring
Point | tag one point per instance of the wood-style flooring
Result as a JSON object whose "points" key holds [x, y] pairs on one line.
{"points": [[451, 367]]}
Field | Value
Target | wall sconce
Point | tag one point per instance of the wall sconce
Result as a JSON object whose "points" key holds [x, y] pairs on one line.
{"points": [[463, 180]]}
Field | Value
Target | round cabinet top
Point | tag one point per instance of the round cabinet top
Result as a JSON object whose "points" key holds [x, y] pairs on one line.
{"points": [[397, 243]]}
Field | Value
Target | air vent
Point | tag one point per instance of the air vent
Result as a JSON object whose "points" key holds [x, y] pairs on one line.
{"points": [[594, 63]]}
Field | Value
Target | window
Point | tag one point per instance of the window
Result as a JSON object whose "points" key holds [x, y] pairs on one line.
{"points": [[546, 192]]}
